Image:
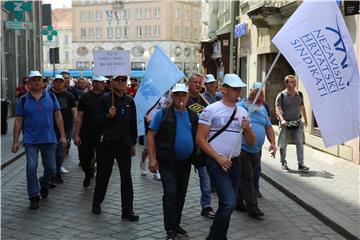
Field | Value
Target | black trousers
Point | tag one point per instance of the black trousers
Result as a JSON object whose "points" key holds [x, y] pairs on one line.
{"points": [[87, 153], [175, 180], [105, 163], [246, 191]]}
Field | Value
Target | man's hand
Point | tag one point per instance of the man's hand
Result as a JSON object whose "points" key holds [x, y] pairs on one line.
{"points": [[305, 124], [283, 123], [111, 112], [63, 141], [15, 147], [133, 151], [77, 141], [245, 124], [224, 162], [153, 165], [272, 150]]}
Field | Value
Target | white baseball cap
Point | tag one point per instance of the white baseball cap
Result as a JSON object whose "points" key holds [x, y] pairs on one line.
{"points": [[58, 76], [98, 78], [180, 87], [35, 74], [257, 85], [233, 80], [209, 78]]}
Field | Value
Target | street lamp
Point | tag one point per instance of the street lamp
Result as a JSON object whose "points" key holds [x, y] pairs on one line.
{"points": [[143, 66]]}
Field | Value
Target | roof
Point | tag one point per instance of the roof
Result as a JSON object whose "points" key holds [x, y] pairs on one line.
{"points": [[62, 18]]}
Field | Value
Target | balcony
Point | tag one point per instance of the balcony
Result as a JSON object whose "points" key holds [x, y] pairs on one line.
{"points": [[267, 13]]}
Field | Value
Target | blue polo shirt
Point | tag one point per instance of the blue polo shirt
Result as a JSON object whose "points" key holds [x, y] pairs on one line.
{"points": [[183, 139], [38, 118], [259, 121]]}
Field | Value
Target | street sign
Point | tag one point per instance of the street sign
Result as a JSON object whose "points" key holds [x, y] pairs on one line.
{"points": [[49, 32], [18, 25], [17, 8]]}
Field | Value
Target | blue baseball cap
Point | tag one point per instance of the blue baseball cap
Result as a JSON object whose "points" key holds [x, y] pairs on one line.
{"points": [[233, 80]]}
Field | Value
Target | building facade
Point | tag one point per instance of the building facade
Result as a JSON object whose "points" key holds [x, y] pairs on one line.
{"points": [[137, 26], [21, 50], [62, 23]]}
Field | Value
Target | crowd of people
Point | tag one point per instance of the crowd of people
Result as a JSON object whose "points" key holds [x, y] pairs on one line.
{"points": [[100, 117]]}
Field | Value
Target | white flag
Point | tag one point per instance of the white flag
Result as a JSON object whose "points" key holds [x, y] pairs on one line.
{"points": [[317, 44]]}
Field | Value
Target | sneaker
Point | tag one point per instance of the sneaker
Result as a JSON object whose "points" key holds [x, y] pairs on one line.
{"points": [[208, 212], [181, 232], [63, 170], [143, 168], [170, 235], [258, 194], [157, 176], [96, 209], [34, 202], [302, 167], [285, 167]]}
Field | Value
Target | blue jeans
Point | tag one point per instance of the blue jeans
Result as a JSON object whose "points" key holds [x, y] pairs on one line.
{"points": [[48, 160], [226, 185], [205, 187]]}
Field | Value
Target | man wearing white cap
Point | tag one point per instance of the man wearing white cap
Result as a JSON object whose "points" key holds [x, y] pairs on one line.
{"points": [[171, 144], [35, 115], [68, 112], [211, 93], [223, 163], [85, 128]]}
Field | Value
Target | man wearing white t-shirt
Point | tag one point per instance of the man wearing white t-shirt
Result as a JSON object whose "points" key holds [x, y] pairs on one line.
{"points": [[224, 169]]}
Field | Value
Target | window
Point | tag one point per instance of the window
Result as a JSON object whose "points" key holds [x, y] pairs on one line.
{"points": [[82, 16], [66, 39], [147, 31], [157, 12], [118, 32], [126, 32], [98, 32], [98, 15], [91, 32], [147, 13], [82, 2], [138, 31], [109, 15], [126, 14], [186, 32], [109, 31], [157, 30], [67, 56], [88, 15], [82, 32], [187, 15], [138, 13], [177, 32], [177, 13]]}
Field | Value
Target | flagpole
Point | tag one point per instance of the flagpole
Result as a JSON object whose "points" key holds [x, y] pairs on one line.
{"points": [[251, 108]]}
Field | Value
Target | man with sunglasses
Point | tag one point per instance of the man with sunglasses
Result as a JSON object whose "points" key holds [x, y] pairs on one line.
{"points": [[116, 118], [223, 162]]}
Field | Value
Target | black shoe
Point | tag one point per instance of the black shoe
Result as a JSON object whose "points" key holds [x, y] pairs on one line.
{"points": [[258, 194], [256, 214], [52, 183], [96, 209], [259, 212], [131, 216], [44, 192], [285, 167], [59, 180], [86, 181], [34, 202], [170, 235], [241, 207], [180, 231], [208, 212], [302, 167]]}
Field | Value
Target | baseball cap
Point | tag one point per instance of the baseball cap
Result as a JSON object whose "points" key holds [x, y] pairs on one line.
{"points": [[98, 78], [35, 74], [257, 85], [58, 76], [180, 87], [209, 78], [233, 80]]}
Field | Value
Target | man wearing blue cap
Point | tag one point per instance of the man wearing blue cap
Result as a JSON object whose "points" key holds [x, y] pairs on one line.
{"points": [[250, 154], [211, 93], [226, 120], [85, 132], [35, 115]]}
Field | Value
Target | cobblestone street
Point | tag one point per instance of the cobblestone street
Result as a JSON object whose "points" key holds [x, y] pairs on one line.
{"points": [[66, 213]]}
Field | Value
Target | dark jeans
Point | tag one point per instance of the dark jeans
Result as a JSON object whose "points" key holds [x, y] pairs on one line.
{"points": [[105, 163], [175, 181], [246, 192], [59, 156], [226, 185], [87, 153], [257, 176]]}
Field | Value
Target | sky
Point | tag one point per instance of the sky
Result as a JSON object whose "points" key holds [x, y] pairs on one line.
{"points": [[57, 3]]}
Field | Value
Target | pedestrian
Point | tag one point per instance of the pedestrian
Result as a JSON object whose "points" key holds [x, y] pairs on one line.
{"points": [[290, 109], [171, 140], [68, 112], [211, 93], [226, 120], [81, 87], [85, 133], [197, 103], [116, 118], [22, 88], [35, 115], [132, 89], [108, 84], [251, 154]]}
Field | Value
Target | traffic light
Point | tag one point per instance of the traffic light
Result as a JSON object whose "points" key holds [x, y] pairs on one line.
{"points": [[54, 55]]}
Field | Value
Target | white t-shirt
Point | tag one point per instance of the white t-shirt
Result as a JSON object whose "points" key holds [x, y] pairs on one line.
{"points": [[216, 115]]}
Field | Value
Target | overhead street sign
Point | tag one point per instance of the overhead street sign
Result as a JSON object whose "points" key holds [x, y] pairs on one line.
{"points": [[18, 25]]}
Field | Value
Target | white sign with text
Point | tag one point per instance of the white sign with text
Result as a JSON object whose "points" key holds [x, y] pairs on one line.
{"points": [[112, 62]]}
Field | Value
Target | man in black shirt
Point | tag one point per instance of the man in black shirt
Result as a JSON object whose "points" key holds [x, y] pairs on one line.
{"points": [[85, 134], [68, 112], [116, 117]]}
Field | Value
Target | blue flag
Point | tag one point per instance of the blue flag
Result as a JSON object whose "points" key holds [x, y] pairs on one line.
{"points": [[160, 75]]}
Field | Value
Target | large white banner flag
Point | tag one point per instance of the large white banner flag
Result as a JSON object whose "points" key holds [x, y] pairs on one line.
{"points": [[317, 44]]}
